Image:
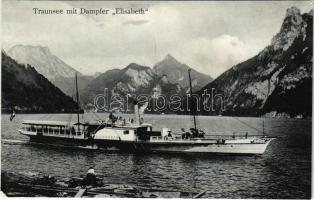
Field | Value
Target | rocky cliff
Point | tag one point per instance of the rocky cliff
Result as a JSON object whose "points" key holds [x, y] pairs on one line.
{"points": [[276, 81]]}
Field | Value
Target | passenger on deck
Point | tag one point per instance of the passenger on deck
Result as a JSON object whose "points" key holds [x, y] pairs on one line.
{"points": [[112, 118], [185, 134], [88, 135], [169, 134], [73, 131], [194, 132], [201, 134]]}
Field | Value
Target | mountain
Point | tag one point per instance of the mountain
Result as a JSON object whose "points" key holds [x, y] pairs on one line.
{"points": [[24, 89], [42, 60], [53, 68], [67, 84], [277, 81], [168, 77], [96, 74], [133, 79], [177, 72]]}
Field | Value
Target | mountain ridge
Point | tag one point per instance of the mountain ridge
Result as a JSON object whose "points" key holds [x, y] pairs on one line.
{"points": [[134, 79], [49, 65], [26, 90], [263, 83], [178, 73], [62, 75], [43, 60]]}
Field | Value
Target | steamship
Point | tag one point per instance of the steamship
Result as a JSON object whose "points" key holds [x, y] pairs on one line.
{"points": [[140, 137]]}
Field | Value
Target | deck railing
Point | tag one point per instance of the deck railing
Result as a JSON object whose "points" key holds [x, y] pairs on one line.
{"points": [[154, 138], [236, 135], [54, 131]]}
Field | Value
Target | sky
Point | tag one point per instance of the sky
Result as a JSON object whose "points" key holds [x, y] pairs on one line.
{"points": [[209, 36]]}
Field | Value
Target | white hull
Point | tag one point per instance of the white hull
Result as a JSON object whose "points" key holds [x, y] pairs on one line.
{"points": [[127, 139], [203, 147], [218, 148]]}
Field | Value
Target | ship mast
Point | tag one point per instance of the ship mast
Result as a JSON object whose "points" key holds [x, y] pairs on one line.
{"points": [[191, 92], [78, 103]]}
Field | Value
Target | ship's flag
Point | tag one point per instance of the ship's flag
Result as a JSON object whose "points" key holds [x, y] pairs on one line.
{"points": [[12, 115]]}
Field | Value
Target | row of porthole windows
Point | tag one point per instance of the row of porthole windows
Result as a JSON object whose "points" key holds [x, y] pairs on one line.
{"points": [[224, 145], [111, 137]]}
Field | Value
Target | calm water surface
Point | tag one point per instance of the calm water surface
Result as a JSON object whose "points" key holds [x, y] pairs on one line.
{"points": [[283, 171]]}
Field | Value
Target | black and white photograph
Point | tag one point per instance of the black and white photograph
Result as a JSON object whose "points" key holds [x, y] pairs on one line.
{"points": [[156, 99]]}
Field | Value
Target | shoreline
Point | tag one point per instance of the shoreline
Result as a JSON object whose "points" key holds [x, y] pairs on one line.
{"points": [[165, 115]]}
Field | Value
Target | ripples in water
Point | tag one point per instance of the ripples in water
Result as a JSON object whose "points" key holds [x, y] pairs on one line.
{"points": [[284, 171]]}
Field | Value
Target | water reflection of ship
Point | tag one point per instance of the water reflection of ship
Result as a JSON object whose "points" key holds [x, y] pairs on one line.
{"points": [[137, 136]]}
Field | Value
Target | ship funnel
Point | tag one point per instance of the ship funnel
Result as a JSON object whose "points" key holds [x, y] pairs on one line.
{"points": [[137, 114]]}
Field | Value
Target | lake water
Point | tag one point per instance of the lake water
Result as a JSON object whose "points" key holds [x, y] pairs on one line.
{"points": [[283, 171]]}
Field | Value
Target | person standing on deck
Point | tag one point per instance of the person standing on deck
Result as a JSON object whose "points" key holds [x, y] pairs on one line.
{"points": [[183, 133], [112, 118]]}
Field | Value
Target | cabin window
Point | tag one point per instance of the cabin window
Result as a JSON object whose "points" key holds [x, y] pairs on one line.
{"points": [[50, 130], [57, 130], [40, 129], [73, 131], [126, 132]]}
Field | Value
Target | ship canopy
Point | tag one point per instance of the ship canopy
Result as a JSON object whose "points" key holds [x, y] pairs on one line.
{"points": [[50, 123]]}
